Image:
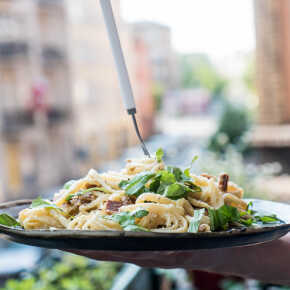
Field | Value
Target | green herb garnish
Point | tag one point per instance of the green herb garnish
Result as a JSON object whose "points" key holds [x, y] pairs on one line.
{"points": [[8, 221], [136, 185], [176, 191], [79, 193], [187, 170], [159, 155], [127, 220], [41, 203], [195, 220], [221, 218]]}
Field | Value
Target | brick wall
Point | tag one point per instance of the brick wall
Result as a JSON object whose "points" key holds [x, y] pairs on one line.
{"points": [[273, 60]]}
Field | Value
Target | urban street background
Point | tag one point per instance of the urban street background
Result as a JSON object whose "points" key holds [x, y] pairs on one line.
{"points": [[210, 79]]}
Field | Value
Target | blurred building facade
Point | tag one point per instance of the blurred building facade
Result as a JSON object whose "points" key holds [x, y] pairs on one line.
{"points": [[271, 136], [35, 97], [162, 56], [273, 60], [61, 110]]}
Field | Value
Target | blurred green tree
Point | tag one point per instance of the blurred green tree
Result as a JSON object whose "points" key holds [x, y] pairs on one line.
{"points": [[199, 72]]}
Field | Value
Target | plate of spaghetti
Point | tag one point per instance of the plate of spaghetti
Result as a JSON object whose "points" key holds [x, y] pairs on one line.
{"points": [[148, 205]]}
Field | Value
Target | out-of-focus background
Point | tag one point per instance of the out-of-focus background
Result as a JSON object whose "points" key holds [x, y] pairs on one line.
{"points": [[210, 78]]}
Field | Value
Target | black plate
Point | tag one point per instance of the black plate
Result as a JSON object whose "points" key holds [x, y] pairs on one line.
{"points": [[146, 241]]}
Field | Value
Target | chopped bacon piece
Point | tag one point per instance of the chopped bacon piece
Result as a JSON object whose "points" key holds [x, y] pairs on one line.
{"points": [[114, 205], [223, 182], [208, 176]]}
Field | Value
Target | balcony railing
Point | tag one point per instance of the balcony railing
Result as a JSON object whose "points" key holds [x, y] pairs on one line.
{"points": [[14, 122], [13, 48]]}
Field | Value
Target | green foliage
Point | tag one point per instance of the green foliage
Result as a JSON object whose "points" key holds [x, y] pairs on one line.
{"points": [[199, 72], [233, 126], [72, 273], [158, 93]]}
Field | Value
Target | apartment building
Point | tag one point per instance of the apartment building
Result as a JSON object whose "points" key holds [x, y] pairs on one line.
{"points": [[35, 106], [273, 60], [162, 56], [61, 110]]}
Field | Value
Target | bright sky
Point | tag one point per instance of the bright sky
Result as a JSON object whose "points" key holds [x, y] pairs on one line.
{"points": [[217, 27]]}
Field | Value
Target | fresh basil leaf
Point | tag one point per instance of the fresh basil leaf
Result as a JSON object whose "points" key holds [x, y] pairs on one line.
{"points": [[8, 221], [177, 172], [136, 185], [41, 203], [159, 155], [195, 220], [176, 191], [68, 184], [79, 193]]}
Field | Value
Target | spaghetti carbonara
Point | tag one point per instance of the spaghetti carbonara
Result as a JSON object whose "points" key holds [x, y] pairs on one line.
{"points": [[145, 196]]}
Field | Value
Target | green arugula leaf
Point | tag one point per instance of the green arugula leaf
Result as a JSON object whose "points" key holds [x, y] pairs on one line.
{"points": [[187, 170], [271, 219], [247, 222], [167, 177], [177, 172], [159, 155], [136, 185], [139, 213], [250, 205], [222, 217], [195, 220], [41, 203], [68, 184], [176, 191], [127, 219], [155, 184], [79, 193], [123, 184], [8, 221], [192, 186]]}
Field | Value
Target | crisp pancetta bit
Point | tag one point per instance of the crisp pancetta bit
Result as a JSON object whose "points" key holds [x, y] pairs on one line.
{"points": [[206, 175], [223, 182]]}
